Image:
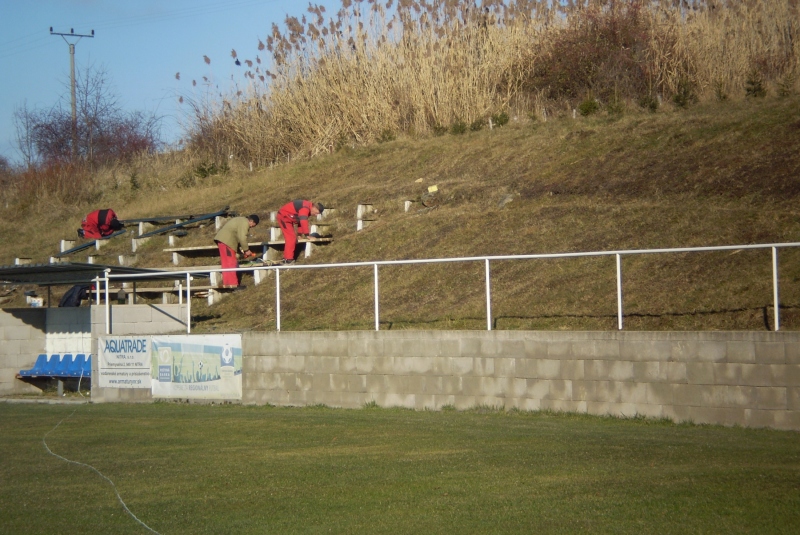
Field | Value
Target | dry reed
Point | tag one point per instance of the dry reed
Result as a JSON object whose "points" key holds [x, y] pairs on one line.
{"points": [[377, 70]]}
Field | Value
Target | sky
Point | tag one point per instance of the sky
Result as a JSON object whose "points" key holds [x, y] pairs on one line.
{"points": [[140, 44]]}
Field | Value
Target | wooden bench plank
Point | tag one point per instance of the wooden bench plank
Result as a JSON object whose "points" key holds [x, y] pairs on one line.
{"points": [[213, 250]]}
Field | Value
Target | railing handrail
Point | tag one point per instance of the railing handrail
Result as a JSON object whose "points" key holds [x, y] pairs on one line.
{"points": [[486, 259]]}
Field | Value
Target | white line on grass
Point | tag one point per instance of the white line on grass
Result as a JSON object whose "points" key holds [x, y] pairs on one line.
{"points": [[92, 467]]}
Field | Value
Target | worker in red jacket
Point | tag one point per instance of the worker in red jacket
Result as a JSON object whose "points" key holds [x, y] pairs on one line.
{"points": [[99, 224], [296, 213]]}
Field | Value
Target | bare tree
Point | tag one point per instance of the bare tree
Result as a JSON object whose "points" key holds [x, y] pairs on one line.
{"points": [[24, 124], [105, 131]]}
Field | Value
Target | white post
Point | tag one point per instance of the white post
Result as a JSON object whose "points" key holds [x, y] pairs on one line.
{"points": [[377, 309], [278, 299], [188, 304], [619, 292], [108, 305], [488, 299], [775, 288]]}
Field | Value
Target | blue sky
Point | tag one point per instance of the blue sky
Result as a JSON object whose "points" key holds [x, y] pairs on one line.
{"points": [[141, 45]]}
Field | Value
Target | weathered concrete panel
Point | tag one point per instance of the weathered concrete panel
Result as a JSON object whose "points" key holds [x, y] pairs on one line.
{"points": [[770, 353], [741, 351], [700, 373]]}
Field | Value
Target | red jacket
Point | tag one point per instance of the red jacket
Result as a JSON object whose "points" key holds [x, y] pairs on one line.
{"points": [[297, 212], [98, 224]]}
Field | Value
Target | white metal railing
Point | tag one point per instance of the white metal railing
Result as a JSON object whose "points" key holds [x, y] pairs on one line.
{"points": [[486, 259]]}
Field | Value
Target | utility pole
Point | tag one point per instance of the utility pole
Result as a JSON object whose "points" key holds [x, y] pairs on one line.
{"points": [[72, 83]]}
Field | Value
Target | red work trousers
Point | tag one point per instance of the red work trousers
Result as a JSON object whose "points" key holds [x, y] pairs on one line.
{"points": [[228, 260], [289, 238]]}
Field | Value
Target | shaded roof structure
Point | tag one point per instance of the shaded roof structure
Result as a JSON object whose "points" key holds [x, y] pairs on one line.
{"points": [[77, 273]]}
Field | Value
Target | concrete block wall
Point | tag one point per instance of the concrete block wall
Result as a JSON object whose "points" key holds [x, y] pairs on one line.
{"points": [[730, 378], [23, 332], [140, 319]]}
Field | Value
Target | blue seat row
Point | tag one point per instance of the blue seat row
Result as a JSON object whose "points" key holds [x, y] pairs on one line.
{"points": [[61, 366]]}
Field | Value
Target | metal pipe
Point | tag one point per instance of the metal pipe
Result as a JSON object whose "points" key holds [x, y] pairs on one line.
{"points": [[278, 299], [188, 304], [488, 298], [775, 296], [619, 292], [108, 304], [505, 257], [377, 307]]}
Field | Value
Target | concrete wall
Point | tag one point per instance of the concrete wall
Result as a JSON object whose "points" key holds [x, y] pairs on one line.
{"points": [[27, 332], [23, 338], [730, 378]]}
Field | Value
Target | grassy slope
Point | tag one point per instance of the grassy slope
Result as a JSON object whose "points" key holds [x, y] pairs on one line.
{"points": [[712, 175]]}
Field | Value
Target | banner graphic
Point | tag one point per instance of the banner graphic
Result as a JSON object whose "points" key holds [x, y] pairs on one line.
{"points": [[197, 366]]}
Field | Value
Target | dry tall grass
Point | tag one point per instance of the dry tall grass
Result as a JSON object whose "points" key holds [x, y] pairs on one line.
{"points": [[376, 70]]}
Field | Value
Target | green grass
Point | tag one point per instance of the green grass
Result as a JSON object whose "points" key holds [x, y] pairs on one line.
{"points": [[199, 469]]}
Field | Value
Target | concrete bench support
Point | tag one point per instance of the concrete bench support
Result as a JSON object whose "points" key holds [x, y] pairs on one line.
{"points": [[138, 242], [364, 215]]}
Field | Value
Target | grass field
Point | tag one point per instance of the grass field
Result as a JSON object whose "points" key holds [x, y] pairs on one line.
{"points": [[195, 469]]}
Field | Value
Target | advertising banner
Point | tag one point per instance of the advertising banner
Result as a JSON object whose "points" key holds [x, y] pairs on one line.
{"points": [[197, 366], [124, 361]]}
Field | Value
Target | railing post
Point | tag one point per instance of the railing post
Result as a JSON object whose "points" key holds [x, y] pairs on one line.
{"points": [[188, 304], [108, 305], [775, 296], [377, 307], [278, 299], [488, 298], [619, 292]]}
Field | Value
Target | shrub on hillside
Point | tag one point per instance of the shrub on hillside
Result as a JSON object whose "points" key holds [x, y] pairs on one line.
{"points": [[685, 93], [476, 125], [786, 84], [602, 49], [458, 127], [754, 85], [500, 119], [588, 107], [649, 102]]}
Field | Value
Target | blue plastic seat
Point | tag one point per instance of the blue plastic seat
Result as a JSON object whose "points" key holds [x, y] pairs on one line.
{"points": [[52, 364], [87, 366], [61, 369], [78, 367], [38, 366]]}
